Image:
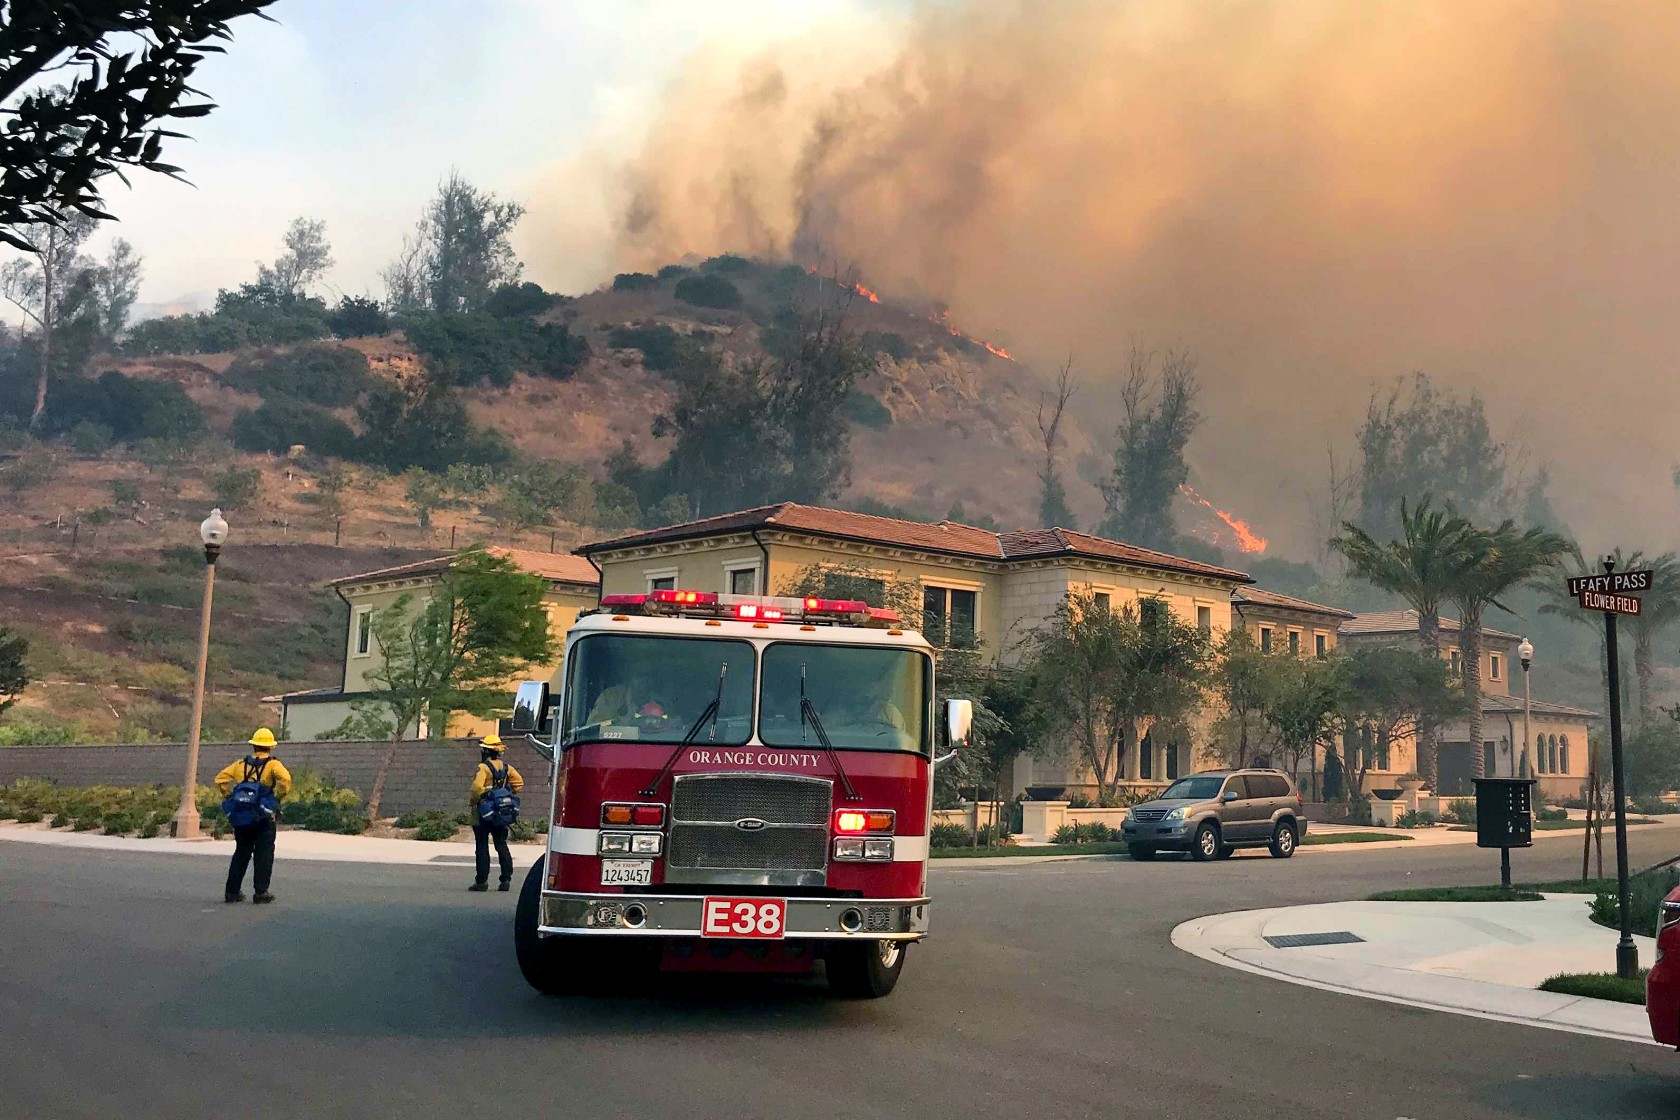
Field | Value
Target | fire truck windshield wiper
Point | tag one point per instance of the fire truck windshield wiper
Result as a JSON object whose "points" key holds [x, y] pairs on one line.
{"points": [[808, 714], [708, 716]]}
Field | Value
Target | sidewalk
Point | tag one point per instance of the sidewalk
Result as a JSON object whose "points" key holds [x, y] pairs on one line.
{"points": [[1482, 959], [291, 844]]}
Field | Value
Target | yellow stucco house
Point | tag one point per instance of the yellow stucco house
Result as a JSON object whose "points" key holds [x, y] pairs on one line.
{"points": [[573, 586], [997, 586]]}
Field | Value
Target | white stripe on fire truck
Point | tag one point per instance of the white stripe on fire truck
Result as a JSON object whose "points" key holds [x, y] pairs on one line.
{"points": [[586, 842]]}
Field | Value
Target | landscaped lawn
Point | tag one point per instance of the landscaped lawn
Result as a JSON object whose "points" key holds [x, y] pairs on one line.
{"points": [[1458, 894], [1100, 849], [1353, 837], [1599, 985]]}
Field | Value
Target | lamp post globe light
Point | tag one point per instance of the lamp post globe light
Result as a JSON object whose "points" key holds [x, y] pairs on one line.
{"points": [[212, 532], [1525, 653]]}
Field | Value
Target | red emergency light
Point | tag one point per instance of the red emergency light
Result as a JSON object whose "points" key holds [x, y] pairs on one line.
{"points": [[751, 608]]}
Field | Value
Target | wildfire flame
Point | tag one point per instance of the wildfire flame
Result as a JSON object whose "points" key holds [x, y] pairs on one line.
{"points": [[1247, 539], [940, 318]]}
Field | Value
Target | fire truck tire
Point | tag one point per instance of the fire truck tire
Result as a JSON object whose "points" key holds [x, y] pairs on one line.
{"points": [[865, 970], [541, 960]]}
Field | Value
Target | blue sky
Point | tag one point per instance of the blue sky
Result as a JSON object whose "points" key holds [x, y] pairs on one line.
{"points": [[351, 110]]}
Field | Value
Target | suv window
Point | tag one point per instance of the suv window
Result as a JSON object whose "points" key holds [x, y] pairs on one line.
{"points": [[1268, 785], [1238, 785]]}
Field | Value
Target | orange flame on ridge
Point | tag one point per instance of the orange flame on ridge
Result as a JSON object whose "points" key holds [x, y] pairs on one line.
{"points": [[1247, 539]]}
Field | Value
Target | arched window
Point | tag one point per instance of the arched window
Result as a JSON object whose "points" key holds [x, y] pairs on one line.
{"points": [[1540, 754], [1551, 754], [1563, 753]]}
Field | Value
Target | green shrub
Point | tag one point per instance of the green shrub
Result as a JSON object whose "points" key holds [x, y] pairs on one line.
{"points": [[278, 425], [525, 830], [728, 262], [1645, 896], [323, 373], [1463, 810], [130, 408], [1651, 806], [672, 271], [414, 818], [38, 730], [1080, 800], [1093, 832], [90, 437], [663, 349], [949, 836], [355, 317], [29, 816], [865, 410], [236, 487], [633, 282], [317, 805], [1546, 813], [121, 822], [436, 829], [513, 301], [1067, 834], [1415, 819], [708, 291]]}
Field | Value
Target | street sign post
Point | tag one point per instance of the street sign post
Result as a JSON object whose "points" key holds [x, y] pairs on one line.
{"points": [[1611, 593]]}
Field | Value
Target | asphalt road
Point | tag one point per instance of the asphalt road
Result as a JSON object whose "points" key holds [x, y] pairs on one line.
{"points": [[128, 990]]}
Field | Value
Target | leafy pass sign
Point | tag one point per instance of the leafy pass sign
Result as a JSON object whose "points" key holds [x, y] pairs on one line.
{"points": [[1611, 592]]}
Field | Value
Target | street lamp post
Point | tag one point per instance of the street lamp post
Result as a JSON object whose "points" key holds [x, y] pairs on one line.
{"points": [[212, 532], [1526, 653]]}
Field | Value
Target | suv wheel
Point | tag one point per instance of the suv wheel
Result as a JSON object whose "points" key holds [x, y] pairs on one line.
{"points": [[1206, 846], [1283, 840]]}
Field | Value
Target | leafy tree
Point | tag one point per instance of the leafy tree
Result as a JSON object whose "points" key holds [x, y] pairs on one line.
{"points": [[459, 252], [131, 408], [1302, 707], [634, 282], [1424, 566], [663, 349], [14, 668], [118, 284], [272, 316], [1419, 440], [1053, 511], [781, 407], [307, 257], [1659, 610], [472, 347], [335, 481], [424, 493], [130, 65], [1497, 561], [416, 424], [1103, 678], [1242, 682], [1149, 469], [519, 301], [1389, 693], [52, 287], [455, 650], [1652, 758], [357, 317]]}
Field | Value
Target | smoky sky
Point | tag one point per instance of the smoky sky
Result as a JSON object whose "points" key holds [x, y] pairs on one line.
{"points": [[1314, 197]]}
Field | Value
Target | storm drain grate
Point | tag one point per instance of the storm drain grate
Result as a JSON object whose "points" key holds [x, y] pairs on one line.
{"points": [[1305, 940]]}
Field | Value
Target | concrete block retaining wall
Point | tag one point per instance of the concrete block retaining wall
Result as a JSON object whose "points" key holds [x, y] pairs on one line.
{"points": [[425, 775]]}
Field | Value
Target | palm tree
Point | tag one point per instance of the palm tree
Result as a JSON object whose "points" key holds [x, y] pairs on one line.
{"points": [[1423, 566], [1499, 560], [1659, 609]]}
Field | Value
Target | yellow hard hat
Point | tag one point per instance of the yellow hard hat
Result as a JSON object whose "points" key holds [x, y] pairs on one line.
{"points": [[264, 739], [492, 742]]}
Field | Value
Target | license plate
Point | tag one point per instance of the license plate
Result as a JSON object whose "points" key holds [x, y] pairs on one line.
{"points": [[744, 917], [626, 872]]}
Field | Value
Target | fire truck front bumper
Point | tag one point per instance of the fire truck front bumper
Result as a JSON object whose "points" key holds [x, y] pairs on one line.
{"points": [[839, 919]]}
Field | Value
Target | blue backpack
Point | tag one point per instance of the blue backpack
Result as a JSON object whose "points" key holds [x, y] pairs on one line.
{"points": [[498, 804], [251, 802]]}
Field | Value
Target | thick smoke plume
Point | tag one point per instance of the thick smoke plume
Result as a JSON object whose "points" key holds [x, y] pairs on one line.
{"points": [[1314, 197]]}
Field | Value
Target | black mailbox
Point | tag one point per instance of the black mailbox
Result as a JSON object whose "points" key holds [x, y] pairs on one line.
{"points": [[1504, 812]]}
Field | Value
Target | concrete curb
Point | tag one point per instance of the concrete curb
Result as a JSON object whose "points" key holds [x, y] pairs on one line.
{"points": [[1236, 940], [292, 844]]}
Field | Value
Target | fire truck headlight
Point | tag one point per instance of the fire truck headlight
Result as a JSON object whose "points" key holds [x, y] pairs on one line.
{"points": [[646, 843], [615, 843], [878, 850], [848, 848]]}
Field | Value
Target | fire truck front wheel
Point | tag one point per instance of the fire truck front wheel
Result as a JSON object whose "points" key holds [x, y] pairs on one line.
{"points": [[865, 970], [541, 959]]}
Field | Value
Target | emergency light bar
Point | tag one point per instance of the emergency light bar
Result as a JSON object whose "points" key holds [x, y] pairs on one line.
{"points": [[751, 608]]}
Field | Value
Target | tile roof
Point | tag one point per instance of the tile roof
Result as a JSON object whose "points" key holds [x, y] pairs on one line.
{"points": [[1263, 598], [560, 567], [1406, 622], [950, 538], [1513, 705]]}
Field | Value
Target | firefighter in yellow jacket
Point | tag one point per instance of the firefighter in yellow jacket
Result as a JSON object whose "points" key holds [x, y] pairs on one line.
{"points": [[254, 841], [492, 771]]}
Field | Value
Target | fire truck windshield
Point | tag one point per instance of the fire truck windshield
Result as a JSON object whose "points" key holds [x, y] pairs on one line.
{"points": [[866, 698], [654, 689]]}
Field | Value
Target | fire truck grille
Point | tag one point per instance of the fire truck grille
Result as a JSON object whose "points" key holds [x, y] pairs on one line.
{"points": [[747, 823]]}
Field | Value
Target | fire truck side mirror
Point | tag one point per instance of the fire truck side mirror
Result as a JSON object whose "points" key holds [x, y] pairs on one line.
{"points": [[959, 722], [530, 707]]}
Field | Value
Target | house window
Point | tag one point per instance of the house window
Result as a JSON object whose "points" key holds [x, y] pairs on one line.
{"points": [[743, 580], [1540, 753], [1455, 665], [1382, 750], [663, 580], [364, 631], [1204, 620], [1321, 646], [1151, 611], [1563, 754], [1295, 643], [1146, 759], [948, 615], [1493, 667], [1265, 639], [1102, 601], [1552, 755]]}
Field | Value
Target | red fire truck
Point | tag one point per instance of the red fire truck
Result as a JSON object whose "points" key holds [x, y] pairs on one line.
{"points": [[740, 784]]}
